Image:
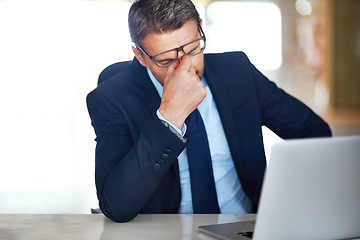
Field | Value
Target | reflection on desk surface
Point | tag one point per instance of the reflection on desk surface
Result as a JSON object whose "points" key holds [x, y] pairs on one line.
{"points": [[98, 227]]}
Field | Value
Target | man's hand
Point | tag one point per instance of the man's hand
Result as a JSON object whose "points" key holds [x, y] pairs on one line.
{"points": [[182, 92]]}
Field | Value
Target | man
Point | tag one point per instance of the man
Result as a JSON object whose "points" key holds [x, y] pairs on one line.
{"points": [[143, 160]]}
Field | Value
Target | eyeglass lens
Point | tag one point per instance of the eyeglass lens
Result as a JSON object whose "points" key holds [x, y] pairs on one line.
{"points": [[189, 49]]}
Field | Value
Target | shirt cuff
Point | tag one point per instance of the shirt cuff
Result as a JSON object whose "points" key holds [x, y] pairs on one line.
{"points": [[181, 131]]}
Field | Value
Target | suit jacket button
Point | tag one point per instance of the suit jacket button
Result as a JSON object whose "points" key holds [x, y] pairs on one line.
{"points": [[156, 165], [164, 156], [167, 151], [161, 161]]}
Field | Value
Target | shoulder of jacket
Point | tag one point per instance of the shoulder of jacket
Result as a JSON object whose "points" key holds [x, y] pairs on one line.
{"points": [[225, 55]]}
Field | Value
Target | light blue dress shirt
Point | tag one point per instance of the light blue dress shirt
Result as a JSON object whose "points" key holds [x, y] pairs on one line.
{"points": [[231, 197]]}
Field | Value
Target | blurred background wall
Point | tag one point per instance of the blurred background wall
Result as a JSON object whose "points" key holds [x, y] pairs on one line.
{"points": [[51, 52]]}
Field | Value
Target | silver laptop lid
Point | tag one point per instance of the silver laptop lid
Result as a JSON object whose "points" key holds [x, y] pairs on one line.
{"points": [[311, 190]]}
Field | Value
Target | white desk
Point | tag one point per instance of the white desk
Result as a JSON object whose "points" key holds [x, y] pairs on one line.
{"points": [[98, 227]]}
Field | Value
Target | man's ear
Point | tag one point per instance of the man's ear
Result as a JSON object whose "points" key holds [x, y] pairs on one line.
{"points": [[139, 56]]}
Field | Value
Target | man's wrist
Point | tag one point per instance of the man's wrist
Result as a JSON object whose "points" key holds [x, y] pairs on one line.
{"points": [[180, 132]]}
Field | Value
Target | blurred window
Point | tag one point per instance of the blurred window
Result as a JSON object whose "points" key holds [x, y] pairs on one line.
{"points": [[252, 27]]}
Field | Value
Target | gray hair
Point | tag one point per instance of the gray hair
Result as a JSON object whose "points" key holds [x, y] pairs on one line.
{"points": [[159, 16]]}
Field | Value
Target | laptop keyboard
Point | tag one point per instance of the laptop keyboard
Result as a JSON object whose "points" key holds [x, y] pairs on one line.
{"points": [[248, 234]]}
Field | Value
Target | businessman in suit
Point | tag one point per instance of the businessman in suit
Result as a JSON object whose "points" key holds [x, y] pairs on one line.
{"points": [[140, 110]]}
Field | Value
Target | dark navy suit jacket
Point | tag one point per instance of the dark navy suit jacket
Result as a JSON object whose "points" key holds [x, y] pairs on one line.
{"points": [[131, 173]]}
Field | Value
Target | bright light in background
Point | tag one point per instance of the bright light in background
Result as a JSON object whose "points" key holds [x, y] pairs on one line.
{"points": [[252, 27], [51, 53], [303, 7]]}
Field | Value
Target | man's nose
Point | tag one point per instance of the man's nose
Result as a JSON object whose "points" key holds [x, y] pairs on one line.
{"points": [[181, 54]]}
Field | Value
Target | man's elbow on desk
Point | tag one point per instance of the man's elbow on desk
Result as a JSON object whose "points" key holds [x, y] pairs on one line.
{"points": [[116, 216], [120, 217]]}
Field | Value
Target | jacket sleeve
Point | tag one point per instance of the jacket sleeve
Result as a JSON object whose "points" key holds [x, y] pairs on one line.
{"points": [[128, 168], [285, 115]]}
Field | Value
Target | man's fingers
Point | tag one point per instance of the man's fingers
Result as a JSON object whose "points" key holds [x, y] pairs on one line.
{"points": [[192, 70], [170, 70], [185, 63], [184, 66]]}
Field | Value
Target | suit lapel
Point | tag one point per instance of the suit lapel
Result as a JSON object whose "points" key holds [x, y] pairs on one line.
{"points": [[147, 90], [223, 103]]}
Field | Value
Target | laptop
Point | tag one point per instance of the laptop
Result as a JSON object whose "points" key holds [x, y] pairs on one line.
{"points": [[311, 190]]}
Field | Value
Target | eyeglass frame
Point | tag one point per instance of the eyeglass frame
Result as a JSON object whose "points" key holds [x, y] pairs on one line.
{"points": [[181, 48]]}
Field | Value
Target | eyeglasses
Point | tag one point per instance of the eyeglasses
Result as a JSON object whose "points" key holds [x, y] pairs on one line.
{"points": [[169, 57]]}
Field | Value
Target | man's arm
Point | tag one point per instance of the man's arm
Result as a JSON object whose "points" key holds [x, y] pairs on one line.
{"points": [[128, 170], [285, 115], [182, 93]]}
